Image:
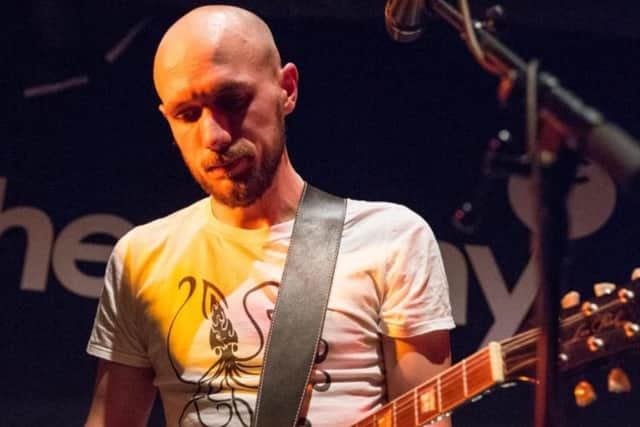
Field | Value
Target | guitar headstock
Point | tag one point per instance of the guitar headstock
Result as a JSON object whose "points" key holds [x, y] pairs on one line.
{"points": [[590, 331], [601, 327]]}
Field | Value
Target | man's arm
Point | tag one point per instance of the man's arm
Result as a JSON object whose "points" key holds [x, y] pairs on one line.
{"points": [[123, 396], [411, 361]]}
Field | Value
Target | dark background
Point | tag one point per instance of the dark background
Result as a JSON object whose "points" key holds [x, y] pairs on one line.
{"points": [[375, 120]]}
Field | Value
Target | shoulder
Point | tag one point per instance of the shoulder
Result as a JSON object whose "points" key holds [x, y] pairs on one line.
{"points": [[385, 217], [149, 236]]}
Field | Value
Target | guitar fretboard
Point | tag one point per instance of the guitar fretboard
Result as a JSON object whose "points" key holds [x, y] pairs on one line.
{"points": [[441, 394]]}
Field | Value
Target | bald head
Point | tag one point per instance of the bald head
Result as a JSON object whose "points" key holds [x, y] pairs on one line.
{"points": [[219, 33]]}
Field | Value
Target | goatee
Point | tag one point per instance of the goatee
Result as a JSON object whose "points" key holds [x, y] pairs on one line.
{"points": [[248, 187]]}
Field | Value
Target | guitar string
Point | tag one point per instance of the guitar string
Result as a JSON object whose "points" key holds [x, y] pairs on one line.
{"points": [[568, 321], [407, 401], [534, 334], [404, 408], [405, 405], [580, 315], [472, 363], [572, 319], [402, 415]]}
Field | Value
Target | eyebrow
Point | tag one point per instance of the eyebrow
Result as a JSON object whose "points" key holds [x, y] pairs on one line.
{"points": [[219, 91]]}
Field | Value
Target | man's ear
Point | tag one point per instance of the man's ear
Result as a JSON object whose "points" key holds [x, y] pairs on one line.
{"points": [[289, 84]]}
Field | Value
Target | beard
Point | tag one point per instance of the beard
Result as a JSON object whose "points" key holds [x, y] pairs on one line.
{"points": [[249, 186]]}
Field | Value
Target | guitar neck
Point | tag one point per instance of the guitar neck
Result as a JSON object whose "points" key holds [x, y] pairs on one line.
{"points": [[613, 319], [439, 395]]}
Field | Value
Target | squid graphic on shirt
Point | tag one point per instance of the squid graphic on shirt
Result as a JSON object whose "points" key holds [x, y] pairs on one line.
{"points": [[219, 384]]}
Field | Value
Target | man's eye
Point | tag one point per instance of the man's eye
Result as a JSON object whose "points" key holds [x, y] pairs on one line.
{"points": [[188, 115], [232, 103]]}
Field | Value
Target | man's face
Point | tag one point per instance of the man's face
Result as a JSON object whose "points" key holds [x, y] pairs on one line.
{"points": [[226, 115]]}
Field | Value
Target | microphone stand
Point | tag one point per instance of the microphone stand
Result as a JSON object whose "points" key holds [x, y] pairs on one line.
{"points": [[560, 127]]}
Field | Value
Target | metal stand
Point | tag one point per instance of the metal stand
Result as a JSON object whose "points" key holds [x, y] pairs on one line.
{"points": [[568, 128], [553, 170]]}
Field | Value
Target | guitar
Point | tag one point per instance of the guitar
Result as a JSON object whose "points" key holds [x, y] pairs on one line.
{"points": [[594, 330]]}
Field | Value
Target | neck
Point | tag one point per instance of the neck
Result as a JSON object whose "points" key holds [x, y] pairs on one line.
{"points": [[278, 203]]}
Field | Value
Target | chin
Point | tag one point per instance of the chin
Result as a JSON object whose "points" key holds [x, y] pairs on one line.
{"points": [[239, 195], [244, 189]]}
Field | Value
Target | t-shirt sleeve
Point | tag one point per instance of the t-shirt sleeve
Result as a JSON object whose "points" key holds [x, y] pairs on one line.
{"points": [[416, 292], [116, 334]]}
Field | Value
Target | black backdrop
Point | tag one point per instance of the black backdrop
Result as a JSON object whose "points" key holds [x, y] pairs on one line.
{"points": [[376, 120]]}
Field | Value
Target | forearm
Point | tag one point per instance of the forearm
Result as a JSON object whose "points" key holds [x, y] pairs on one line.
{"points": [[123, 396], [411, 361]]}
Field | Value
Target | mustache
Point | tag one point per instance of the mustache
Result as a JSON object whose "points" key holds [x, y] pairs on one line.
{"points": [[232, 154]]}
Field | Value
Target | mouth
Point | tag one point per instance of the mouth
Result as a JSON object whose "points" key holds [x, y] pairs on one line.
{"points": [[232, 167]]}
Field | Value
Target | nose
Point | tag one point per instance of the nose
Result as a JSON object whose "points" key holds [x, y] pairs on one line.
{"points": [[215, 132]]}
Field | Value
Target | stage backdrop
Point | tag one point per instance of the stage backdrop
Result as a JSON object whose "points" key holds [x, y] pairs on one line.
{"points": [[86, 155]]}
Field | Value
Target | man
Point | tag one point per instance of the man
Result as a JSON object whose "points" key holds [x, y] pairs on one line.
{"points": [[188, 298]]}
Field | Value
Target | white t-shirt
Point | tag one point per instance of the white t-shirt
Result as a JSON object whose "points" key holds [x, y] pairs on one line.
{"points": [[192, 297]]}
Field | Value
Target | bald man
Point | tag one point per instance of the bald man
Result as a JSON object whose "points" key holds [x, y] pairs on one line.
{"points": [[187, 302]]}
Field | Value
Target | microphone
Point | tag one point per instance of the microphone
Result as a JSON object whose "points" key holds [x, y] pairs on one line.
{"points": [[404, 19]]}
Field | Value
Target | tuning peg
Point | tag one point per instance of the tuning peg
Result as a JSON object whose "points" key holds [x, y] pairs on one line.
{"points": [[594, 343], [588, 308], [635, 274], [631, 329], [584, 394], [603, 288], [625, 295], [570, 299], [618, 381]]}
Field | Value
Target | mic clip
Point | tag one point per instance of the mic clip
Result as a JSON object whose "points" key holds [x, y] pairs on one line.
{"points": [[498, 164], [495, 19]]}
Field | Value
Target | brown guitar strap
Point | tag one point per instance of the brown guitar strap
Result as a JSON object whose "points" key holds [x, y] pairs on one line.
{"points": [[300, 308]]}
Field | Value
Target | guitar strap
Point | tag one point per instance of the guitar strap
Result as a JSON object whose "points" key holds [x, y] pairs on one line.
{"points": [[300, 308]]}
